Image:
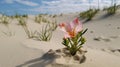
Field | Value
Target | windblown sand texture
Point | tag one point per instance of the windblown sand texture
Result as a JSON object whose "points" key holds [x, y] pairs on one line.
{"points": [[103, 43]]}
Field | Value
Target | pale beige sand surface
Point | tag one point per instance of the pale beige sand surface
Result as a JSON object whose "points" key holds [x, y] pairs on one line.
{"points": [[19, 51]]}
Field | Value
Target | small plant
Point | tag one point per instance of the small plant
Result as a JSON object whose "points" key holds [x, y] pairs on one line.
{"points": [[44, 20], [53, 26], [22, 22], [44, 35], [16, 16], [19, 16], [25, 16], [89, 14], [73, 38], [38, 20], [4, 20], [54, 16], [112, 10]]}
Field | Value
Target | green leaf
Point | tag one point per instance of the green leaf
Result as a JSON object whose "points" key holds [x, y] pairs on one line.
{"points": [[84, 31], [65, 42]]}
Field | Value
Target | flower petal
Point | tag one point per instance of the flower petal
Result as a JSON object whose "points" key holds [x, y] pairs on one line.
{"points": [[68, 27], [71, 29], [76, 21], [66, 35], [78, 28], [62, 27], [77, 25]]}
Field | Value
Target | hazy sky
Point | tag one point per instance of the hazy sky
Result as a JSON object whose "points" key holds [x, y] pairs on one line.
{"points": [[50, 6]]}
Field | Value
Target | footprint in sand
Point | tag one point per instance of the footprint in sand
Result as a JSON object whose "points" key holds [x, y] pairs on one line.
{"points": [[91, 31], [114, 37], [106, 39], [112, 51], [118, 27], [102, 38], [115, 51], [96, 39]]}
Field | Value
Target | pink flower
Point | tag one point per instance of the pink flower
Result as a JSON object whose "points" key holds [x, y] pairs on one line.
{"points": [[71, 29]]}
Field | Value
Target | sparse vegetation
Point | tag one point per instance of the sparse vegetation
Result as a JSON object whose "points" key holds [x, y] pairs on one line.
{"points": [[45, 20], [4, 20], [53, 26], [25, 16], [54, 16], [18, 16], [22, 22], [89, 14], [112, 9], [45, 34], [40, 18]]}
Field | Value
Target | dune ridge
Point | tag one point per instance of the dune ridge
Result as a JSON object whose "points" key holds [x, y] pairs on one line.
{"points": [[102, 44]]}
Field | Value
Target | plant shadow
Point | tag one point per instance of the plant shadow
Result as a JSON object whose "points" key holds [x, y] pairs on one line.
{"points": [[106, 16], [86, 21], [39, 62]]}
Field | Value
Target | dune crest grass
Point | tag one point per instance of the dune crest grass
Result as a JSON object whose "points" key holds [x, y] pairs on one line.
{"points": [[45, 32], [112, 9], [4, 20], [89, 14]]}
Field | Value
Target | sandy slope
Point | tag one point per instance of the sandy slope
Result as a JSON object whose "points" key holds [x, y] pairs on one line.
{"points": [[13, 53], [19, 51], [106, 28], [95, 57]]}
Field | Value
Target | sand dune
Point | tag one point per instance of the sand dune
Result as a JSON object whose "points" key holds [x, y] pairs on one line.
{"points": [[102, 44]]}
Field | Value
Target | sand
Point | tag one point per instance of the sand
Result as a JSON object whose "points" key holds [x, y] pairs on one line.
{"points": [[102, 45]]}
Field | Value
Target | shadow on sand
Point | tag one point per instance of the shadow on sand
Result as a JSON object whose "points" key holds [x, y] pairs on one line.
{"points": [[100, 18], [39, 62], [106, 16]]}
